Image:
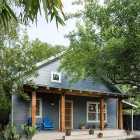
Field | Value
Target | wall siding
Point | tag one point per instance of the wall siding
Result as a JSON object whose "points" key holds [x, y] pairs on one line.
{"points": [[44, 78], [22, 110]]}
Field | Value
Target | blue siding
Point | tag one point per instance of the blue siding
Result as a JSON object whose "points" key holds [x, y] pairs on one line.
{"points": [[44, 79], [22, 110]]}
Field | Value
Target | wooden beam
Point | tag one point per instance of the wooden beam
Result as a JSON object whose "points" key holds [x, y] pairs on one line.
{"points": [[33, 107], [120, 115], [74, 92], [102, 113], [62, 113]]}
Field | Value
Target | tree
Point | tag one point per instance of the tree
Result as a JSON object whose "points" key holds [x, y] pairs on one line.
{"points": [[42, 51], [29, 10], [18, 62], [106, 45]]}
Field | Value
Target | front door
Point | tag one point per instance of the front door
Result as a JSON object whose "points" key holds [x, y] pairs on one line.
{"points": [[68, 114]]}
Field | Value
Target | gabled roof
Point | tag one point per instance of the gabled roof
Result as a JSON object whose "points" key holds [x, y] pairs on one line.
{"points": [[49, 60]]}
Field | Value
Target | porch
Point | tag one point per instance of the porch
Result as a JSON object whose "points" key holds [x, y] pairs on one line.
{"points": [[108, 134], [99, 98]]}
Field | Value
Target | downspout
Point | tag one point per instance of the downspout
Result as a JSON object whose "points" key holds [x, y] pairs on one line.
{"points": [[117, 113], [12, 110], [132, 119]]}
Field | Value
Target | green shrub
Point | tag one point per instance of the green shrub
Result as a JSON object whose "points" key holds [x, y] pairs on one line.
{"points": [[10, 132]]}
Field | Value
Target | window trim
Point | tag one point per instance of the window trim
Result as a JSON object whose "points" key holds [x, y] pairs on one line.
{"points": [[55, 81], [88, 121], [40, 116]]}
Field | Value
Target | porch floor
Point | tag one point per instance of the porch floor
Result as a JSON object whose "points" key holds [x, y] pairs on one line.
{"points": [[78, 134]]}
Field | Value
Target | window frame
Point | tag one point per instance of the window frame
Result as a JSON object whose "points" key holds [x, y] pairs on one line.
{"points": [[40, 116], [55, 81], [97, 112]]}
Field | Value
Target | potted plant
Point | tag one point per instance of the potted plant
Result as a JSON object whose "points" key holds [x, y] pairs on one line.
{"points": [[94, 126], [68, 132], [100, 135], [82, 126], [105, 126], [91, 131], [129, 132]]}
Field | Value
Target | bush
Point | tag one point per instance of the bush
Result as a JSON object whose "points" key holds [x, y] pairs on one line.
{"points": [[10, 132]]}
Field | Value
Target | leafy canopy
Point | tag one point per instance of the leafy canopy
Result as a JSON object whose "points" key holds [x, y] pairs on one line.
{"points": [[28, 11], [106, 43]]}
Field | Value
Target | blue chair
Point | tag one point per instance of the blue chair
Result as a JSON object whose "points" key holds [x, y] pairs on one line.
{"points": [[38, 125], [47, 124]]}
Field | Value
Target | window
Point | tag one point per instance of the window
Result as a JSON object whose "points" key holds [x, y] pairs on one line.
{"points": [[55, 77], [93, 112], [38, 108]]}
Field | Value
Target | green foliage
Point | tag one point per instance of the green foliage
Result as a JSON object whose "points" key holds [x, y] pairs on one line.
{"points": [[42, 51], [10, 132], [29, 10], [28, 132], [106, 44]]}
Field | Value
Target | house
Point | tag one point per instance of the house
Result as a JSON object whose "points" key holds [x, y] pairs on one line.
{"points": [[69, 105]]}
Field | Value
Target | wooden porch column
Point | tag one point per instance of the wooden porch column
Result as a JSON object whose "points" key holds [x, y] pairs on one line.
{"points": [[33, 107], [62, 113], [102, 113], [120, 115]]}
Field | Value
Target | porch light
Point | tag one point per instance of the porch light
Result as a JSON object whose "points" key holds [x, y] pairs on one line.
{"points": [[52, 103]]}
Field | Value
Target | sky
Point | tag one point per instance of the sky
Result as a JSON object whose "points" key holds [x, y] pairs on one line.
{"points": [[48, 32]]}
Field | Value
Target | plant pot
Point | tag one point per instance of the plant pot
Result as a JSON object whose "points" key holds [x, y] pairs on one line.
{"points": [[68, 132], [105, 126], [91, 131], [129, 132], [82, 127], [94, 126], [100, 135]]}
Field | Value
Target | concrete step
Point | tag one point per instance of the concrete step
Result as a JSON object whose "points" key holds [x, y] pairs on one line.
{"points": [[107, 134], [96, 138]]}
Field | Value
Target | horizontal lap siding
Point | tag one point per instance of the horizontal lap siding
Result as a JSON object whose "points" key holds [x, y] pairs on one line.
{"points": [[22, 110], [44, 78]]}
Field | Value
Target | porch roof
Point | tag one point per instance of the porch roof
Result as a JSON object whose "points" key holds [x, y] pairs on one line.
{"points": [[78, 92], [128, 105]]}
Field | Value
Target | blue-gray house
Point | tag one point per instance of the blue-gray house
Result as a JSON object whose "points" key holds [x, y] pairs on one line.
{"points": [[86, 102]]}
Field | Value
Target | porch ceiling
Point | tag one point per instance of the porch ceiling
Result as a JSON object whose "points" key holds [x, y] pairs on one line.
{"points": [[77, 92]]}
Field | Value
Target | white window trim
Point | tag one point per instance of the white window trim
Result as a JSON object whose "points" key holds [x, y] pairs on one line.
{"points": [[55, 81], [96, 111], [40, 116]]}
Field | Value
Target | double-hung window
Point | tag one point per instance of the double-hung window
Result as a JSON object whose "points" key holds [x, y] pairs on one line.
{"points": [[93, 112]]}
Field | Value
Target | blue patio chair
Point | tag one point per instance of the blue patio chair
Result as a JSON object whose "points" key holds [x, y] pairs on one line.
{"points": [[38, 125], [47, 124]]}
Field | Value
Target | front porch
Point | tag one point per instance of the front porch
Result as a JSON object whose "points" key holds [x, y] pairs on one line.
{"points": [[108, 134], [86, 99]]}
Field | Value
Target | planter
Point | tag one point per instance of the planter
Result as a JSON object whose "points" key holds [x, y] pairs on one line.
{"points": [[105, 126], [94, 126], [68, 132], [129, 132], [100, 135], [91, 131], [82, 127]]}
